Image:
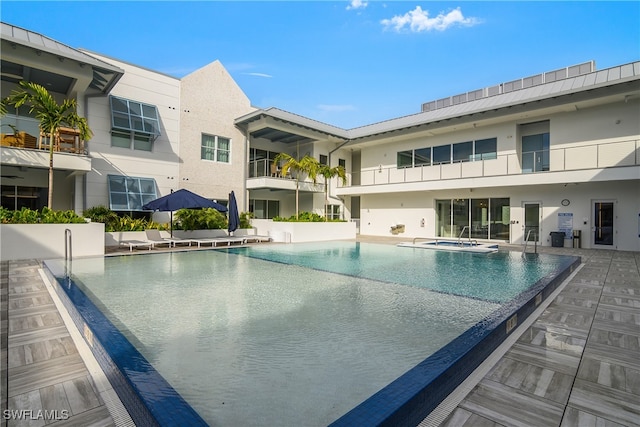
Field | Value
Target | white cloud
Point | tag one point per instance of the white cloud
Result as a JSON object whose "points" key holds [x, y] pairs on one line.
{"points": [[357, 4], [336, 108], [258, 75], [418, 20]]}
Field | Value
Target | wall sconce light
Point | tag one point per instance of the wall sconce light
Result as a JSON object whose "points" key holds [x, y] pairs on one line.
{"points": [[379, 168]]}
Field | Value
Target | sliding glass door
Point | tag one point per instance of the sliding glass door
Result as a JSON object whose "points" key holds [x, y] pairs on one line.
{"points": [[473, 218]]}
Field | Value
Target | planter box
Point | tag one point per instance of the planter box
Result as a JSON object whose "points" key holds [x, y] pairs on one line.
{"points": [[293, 232], [42, 241]]}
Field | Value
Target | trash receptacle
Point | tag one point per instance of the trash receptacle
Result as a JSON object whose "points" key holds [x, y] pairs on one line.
{"points": [[577, 236], [557, 239]]}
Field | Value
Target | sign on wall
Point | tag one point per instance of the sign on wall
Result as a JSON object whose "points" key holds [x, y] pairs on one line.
{"points": [[565, 224]]}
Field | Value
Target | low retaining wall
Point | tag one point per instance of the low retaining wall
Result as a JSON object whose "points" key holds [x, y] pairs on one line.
{"points": [[293, 232], [42, 241]]}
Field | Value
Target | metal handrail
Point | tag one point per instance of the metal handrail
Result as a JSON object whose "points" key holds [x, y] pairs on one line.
{"points": [[526, 241], [416, 238], [68, 252], [461, 233]]}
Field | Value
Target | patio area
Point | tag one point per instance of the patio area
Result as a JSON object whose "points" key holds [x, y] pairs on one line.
{"points": [[577, 364]]}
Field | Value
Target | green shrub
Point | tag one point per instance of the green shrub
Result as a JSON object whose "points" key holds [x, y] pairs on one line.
{"points": [[104, 215], [302, 217], [45, 216], [199, 219], [245, 219]]}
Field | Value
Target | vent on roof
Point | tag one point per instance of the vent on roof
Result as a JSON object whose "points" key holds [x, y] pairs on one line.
{"points": [[538, 79]]}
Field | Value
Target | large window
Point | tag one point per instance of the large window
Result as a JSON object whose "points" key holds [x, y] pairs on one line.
{"points": [[463, 152], [264, 209], [473, 218], [535, 153], [215, 148], [469, 151], [133, 124], [129, 193], [441, 154], [486, 149], [16, 197]]}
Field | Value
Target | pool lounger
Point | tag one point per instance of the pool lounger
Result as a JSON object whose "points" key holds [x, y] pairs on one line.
{"points": [[136, 244], [155, 237], [256, 238], [215, 240]]}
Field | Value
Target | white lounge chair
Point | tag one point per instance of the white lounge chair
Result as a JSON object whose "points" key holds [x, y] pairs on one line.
{"points": [[136, 244], [155, 237], [214, 241], [256, 238]]}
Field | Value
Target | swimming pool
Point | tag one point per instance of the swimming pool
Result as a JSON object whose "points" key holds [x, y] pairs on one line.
{"points": [[295, 334]]}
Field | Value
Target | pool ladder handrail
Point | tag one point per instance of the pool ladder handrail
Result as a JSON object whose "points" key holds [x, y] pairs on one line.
{"points": [[471, 242], [416, 238], [526, 241], [68, 252]]}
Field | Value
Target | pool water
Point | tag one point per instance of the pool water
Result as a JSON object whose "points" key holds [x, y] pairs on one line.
{"points": [[296, 334]]}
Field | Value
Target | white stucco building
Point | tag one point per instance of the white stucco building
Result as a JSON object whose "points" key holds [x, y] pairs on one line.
{"points": [[552, 152]]}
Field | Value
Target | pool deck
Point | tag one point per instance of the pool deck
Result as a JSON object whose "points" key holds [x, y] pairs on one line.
{"points": [[577, 364]]}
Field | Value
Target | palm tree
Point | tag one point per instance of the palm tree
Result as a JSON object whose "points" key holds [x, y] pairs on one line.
{"points": [[52, 117], [327, 173], [307, 165]]}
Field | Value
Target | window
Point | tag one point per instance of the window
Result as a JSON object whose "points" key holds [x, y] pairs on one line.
{"points": [[535, 153], [130, 193], [343, 163], [442, 154], [134, 116], [215, 148], [483, 218], [133, 124], [333, 212], [486, 149], [15, 197], [463, 152], [264, 209], [422, 157], [405, 159], [323, 160]]}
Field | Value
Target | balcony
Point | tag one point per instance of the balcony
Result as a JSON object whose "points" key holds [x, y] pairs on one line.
{"points": [[578, 163], [23, 145], [24, 133], [262, 174]]}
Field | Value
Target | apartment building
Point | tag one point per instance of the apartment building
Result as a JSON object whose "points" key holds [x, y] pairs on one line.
{"points": [[557, 152], [553, 152]]}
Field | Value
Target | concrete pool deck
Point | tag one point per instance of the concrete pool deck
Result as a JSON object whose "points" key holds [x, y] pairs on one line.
{"points": [[577, 364]]}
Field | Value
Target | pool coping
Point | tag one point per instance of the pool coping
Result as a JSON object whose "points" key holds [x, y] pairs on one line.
{"points": [[405, 401], [411, 397], [147, 396]]}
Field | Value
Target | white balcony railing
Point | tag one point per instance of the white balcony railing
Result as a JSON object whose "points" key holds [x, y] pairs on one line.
{"points": [[583, 157]]}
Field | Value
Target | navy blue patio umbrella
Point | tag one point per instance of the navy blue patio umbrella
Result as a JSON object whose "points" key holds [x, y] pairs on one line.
{"points": [[234, 218], [181, 199]]}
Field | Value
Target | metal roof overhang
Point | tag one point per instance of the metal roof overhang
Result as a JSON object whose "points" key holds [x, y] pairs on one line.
{"points": [[33, 57], [598, 87], [283, 127]]}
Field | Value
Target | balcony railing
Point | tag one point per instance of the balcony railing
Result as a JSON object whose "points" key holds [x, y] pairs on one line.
{"points": [[265, 167], [582, 157], [24, 133]]}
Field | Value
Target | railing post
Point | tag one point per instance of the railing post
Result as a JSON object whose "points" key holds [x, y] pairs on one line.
{"points": [[68, 252]]}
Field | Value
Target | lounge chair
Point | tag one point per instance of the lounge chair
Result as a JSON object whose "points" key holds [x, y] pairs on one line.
{"points": [[155, 237], [255, 238], [136, 244], [214, 241]]}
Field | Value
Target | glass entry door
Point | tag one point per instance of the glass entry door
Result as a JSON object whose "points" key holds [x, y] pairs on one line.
{"points": [[603, 223], [532, 214]]}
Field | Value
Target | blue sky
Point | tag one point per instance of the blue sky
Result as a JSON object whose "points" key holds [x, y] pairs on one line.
{"points": [[346, 63]]}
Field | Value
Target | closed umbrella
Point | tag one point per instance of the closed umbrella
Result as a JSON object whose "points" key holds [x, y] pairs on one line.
{"points": [[181, 199], [234, 218]]}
